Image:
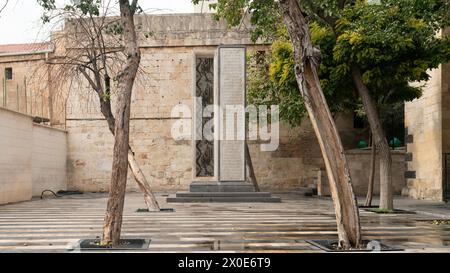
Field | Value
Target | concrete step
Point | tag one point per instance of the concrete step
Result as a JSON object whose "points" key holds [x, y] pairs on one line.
{"points": [[221, 187], [223, 194], [174, 199]]}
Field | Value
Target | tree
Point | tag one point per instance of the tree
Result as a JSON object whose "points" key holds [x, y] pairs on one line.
{"points": [[384, 47], [373, 51], [307, 58], [3, 6], [271, 80], [306, 71], [93, 60], [125, 81]]}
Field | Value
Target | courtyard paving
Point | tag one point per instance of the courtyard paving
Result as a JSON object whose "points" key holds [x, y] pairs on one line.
{"points": [[56, 224]]}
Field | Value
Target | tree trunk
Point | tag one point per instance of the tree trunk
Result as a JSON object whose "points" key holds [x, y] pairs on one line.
{"points": [[113, 220], [251, 169], [139, 177], [373, 157], [380, 141], [306, 65], [150, 199]]}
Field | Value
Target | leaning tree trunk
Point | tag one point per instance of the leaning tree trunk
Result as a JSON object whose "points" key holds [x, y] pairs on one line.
{"points": [[139, 177], [105, 107], [149, 197], [306, 65], [113, 220], [380, 141], [251, 169], [371, 183]]}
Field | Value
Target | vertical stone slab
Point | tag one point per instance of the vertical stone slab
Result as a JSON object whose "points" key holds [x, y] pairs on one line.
{"points": [[232, 89]]}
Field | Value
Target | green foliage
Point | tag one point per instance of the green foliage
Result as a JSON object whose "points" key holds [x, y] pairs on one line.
{"points": [[271, 81], [264, 16], [86, 7], [114, 29], [393, 42], [440, 222], [106, 96]]}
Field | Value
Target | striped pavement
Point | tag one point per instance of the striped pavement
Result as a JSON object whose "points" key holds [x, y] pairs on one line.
{"points": [[57, 224]]}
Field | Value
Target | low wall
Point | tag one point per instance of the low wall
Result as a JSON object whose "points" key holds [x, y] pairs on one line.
{"points": [[360, 164], [49, 155], [32, 158]]}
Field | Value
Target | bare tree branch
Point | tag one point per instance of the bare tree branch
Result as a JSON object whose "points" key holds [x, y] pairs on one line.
{"points": [[2, 8]]}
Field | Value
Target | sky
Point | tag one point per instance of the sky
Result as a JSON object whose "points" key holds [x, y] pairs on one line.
{"points": [[20, 22]]}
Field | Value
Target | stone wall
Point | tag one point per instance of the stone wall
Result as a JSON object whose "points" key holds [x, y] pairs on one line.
{"points": [[445, 89], [423, 119], [360, 165], [15, 157], [446, 108], [446, 128], [428, 136], [27, 92], [34, 89], [167, 80], [49, 159], [298, 159], [32, 158]]}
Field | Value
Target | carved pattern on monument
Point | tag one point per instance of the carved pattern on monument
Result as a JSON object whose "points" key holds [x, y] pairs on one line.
{"points": [[204, 90]]}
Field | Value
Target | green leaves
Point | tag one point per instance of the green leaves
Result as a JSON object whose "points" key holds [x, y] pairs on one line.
{"points": [[85, 7], [115, 28], [394, 43]]}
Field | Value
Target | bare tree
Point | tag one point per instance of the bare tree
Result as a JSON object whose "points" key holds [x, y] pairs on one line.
{"points": [[94, 48], [125, 80], [3, 6]]}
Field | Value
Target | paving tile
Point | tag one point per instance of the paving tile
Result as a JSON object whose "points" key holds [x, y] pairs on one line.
{"points": [[54, 225]]}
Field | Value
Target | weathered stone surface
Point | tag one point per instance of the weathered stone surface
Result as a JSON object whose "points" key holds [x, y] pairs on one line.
{"points": [[168, 61], [428, 120], [360, 164]]}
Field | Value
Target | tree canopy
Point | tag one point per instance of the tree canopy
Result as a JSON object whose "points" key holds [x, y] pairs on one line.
{"points": [[394, 42]]}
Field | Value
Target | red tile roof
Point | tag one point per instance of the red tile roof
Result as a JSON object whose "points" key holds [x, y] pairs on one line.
{"points": [[25, 48]]}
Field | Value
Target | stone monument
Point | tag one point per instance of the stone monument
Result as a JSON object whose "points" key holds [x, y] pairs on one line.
{"points": [[229, 180]]}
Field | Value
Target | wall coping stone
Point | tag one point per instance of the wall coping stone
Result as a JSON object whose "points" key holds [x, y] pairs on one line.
{"points": [[369, 151]]}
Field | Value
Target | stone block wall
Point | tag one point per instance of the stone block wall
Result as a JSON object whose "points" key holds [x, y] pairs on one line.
{"points": [[445, 89], [428, 125], [360, 165], [296, 162], [446, 129], [28, 90], [423, 119], [167, 80]]}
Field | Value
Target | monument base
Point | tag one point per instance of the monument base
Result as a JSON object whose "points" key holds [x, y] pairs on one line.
{"points": [[223, 192], [221, 187]]}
